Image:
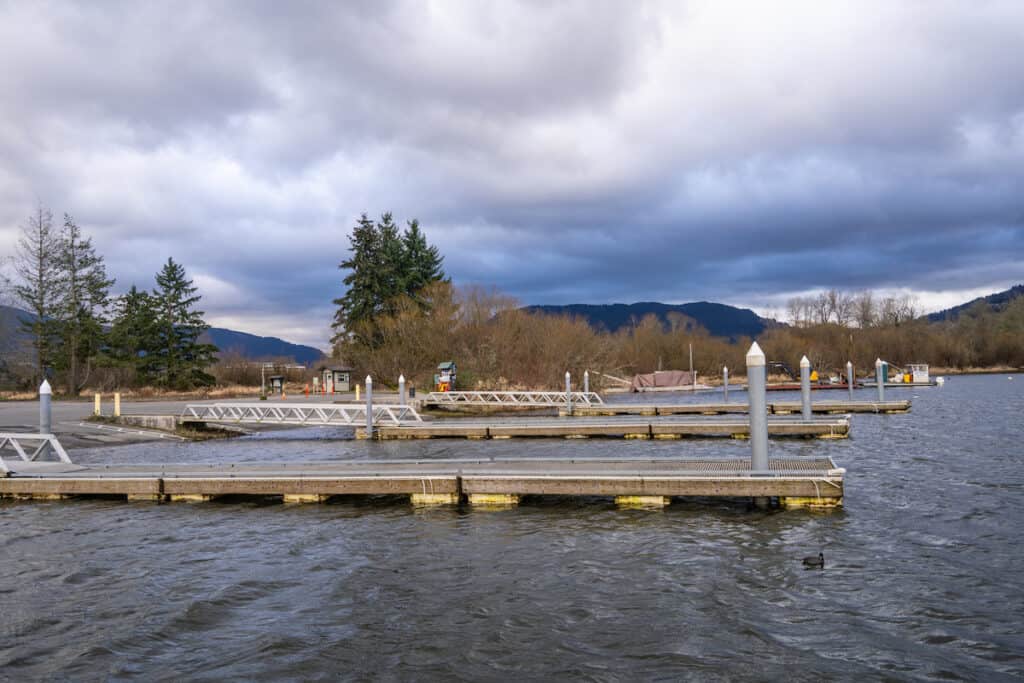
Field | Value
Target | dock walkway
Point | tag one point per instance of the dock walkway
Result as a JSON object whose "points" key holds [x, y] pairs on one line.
{"points": [[624, 427], [774, 408], [796, 482]]}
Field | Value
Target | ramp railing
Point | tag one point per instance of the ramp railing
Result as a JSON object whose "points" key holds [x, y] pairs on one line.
{"points": [[553, 399], [30, 447], [341, 414]]}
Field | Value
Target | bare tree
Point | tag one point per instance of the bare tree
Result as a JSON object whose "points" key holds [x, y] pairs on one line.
{"points": [[37, 266], [864, 309]]}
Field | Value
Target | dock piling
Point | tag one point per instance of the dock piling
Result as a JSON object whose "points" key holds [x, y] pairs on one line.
{"points": [[725, 383], [401, 390], [849, 378], [568, 393], [369, 407], [756, 383], [805, 388], [586, 383], [879, 380], [96, 409]]}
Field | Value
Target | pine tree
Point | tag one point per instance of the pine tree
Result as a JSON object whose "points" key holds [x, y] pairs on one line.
{"points": [[37, 266], [82, 310], [133, 340], [180, 359], [383, 267]]}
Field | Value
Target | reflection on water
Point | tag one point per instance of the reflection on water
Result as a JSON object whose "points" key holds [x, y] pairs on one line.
{"points": [[922, 579]]}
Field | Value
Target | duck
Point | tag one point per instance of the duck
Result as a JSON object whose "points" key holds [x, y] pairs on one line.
{"points": [[815, 562]]}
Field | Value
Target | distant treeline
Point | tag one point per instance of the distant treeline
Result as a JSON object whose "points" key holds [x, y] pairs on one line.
{"points": [[496, 344]]}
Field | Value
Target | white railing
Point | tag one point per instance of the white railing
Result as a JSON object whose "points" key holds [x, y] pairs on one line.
{"points": [[41, 444], [341, 414], [553, 399]]}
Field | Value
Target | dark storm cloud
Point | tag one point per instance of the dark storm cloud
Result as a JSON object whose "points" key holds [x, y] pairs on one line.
{"points": [[578, 151]]}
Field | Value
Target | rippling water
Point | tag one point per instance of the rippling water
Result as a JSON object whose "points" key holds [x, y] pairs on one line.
{"points": [[923, 574]]}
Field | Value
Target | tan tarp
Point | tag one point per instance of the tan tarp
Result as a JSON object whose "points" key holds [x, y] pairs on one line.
{"points": [[663, 378]]}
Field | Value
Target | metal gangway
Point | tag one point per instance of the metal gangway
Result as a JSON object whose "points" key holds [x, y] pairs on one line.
{"points": [[340, 414], [551, 399], [41, 445]]}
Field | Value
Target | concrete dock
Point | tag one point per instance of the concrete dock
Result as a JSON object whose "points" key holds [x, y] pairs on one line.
{"points": [[774, 408], [794, 482], [618, 427]]}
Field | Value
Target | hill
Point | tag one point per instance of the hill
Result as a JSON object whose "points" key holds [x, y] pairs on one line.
{"points": [[13, 340], [996, 302], [720, 320], [253, 347]]}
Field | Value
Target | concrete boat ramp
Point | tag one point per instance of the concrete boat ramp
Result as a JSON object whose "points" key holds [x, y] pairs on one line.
{"points": [[791, 482]]}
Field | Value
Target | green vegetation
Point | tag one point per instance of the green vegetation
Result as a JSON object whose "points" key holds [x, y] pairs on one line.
{"points": [[78, 331]]}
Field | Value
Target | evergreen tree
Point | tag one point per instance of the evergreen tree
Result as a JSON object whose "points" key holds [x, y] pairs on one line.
{"points": [[37, 266], [180, 360], [81, 313], [383, 267], [133, 340]]}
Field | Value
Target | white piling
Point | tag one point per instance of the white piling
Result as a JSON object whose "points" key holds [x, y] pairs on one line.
{"points": [[586, 382], [45, 414], [96, 406], [401, 390], [757, 394], [878, 379], [369, 407], [568, 393], [849, 379], [805, 388], [117, 404], [725, 383]]}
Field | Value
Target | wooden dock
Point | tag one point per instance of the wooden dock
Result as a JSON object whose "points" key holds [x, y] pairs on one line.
{"points": [[794, 482], [775, 408], [619, 427]]}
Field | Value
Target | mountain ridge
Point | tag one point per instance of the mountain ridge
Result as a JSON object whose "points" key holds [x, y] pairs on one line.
{"points": [[720, 320]]}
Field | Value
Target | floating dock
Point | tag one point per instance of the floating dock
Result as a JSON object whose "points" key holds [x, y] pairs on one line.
{"points": [[794, 482], [619, 427], [776, 408]]}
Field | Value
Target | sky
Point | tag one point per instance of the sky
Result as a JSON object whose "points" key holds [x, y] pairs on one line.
{"points": [[562, 152]]}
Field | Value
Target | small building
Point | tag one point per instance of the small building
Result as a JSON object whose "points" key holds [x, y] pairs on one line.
{"points": [[335, 378], [444, 380], [276, 383]]}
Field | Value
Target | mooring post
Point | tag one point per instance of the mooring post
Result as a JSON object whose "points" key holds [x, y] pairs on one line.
{"points": [[805, 388], [96, 410], [725, 383], [117, 404], [758, 396], [45, 395], [401, 390], [568, 393], [878, 379], [369, 407], [586, 384], [849, 379]]}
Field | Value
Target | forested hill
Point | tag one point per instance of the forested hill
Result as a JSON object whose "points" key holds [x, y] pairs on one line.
{"points": [[720, 320], [995, 302], [253, 347]]}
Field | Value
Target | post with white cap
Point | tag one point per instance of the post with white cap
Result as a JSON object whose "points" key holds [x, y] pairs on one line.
{"points": [[878, 379], [725, 383], [401, 390], [369, 407], [849, 379], [568, 393], [805, 388], [45, 423], [586, 384], [757, 393]]}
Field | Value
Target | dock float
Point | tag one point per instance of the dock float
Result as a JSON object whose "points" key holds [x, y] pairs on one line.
{"points": [[776, 408], [793, 482], [621, 427]]}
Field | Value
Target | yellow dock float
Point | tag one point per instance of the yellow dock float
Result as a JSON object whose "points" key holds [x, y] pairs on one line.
{"points": [[775, 408], [617, 427], [793, 482]]}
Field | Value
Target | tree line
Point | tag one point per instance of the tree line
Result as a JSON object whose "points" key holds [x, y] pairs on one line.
{"points": [[387, 330], [76, 327]]}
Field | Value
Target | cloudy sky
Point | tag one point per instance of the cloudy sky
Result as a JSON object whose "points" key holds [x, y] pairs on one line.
{"points": [[563, 152]]}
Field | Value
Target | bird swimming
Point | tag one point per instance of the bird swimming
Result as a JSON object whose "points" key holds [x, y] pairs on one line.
{"points": [[815, 562]]}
